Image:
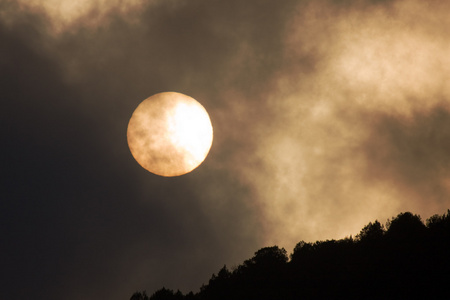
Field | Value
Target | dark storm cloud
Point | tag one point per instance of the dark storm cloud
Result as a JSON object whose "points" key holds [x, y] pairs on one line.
{"points": [[322, 123]]}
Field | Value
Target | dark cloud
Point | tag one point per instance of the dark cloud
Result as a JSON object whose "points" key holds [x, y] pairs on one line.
{"points": [[412, 153], [326, 114]]}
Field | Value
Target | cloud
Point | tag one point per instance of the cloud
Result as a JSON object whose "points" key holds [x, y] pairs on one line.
{"points": [[412, 153], [345, 66], [64, 15]]}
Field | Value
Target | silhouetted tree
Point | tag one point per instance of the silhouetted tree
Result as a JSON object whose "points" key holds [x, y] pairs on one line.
{"points": [[219, 286], [406, 260], [166, 294], [405, 226], [301, 250], [439, 223], [262, 276], [372, 232], [268, 256], [139, 296]]}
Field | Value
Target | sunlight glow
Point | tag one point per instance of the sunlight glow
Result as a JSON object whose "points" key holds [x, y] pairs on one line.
{"points": [[189, 131]]}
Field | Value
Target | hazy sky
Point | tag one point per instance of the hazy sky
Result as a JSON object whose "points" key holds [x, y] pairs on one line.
{"points": [[327, 115]]}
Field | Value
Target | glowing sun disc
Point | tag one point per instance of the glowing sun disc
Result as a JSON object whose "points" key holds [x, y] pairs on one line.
{"points": [[169, 134]]}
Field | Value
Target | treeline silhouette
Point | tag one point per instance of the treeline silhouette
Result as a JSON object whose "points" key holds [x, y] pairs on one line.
{"points": [[403, 259]]}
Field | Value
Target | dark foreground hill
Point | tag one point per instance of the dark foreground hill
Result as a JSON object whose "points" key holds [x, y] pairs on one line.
{"points": [[406, 259]]}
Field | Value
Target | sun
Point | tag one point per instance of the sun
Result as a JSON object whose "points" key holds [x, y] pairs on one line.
{"points": [[170, 134]]}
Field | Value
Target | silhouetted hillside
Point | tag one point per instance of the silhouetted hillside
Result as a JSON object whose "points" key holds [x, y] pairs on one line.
{"points": [[405, 259]]}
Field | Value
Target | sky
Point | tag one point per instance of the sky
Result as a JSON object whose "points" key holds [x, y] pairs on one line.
{"points": [[327, 115]]}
